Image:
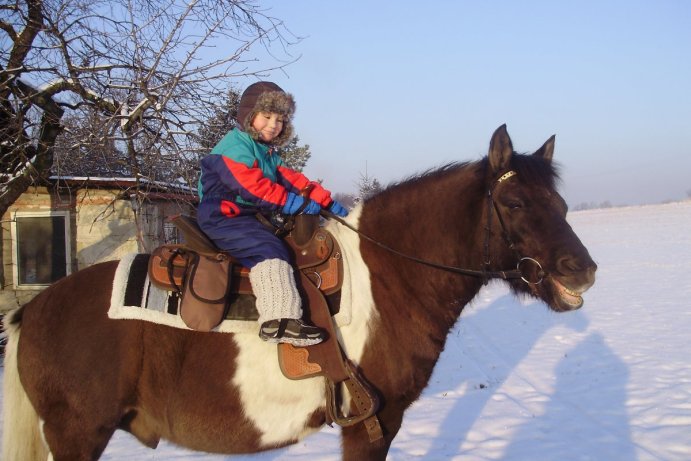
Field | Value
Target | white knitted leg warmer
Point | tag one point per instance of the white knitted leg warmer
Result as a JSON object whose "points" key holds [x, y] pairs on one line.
{"points": [[274, 286]]}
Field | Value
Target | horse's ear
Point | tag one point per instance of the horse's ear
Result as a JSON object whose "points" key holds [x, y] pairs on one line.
{"points": [[500, 149], [547, 149]]}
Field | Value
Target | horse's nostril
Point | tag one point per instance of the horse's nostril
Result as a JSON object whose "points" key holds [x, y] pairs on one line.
{"points": [[565, 265], [569, 264]]}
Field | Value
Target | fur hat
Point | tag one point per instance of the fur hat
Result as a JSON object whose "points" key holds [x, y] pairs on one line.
{"points": [[266, 97]]}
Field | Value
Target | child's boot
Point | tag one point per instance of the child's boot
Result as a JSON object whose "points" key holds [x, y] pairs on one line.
{"points": [[280, 306]]}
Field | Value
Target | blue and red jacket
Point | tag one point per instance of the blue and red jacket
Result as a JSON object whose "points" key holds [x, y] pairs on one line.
{"points": [[243, 177]]}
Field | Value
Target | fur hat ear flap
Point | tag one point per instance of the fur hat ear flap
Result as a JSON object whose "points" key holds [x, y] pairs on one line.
{"points": [[266, 97]]}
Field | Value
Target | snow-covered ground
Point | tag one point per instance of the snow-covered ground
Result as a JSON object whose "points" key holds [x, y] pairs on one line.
{"points": [[518, 382]]}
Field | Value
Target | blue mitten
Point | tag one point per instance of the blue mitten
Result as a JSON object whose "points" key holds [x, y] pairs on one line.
{"points": [[295, 202], [312, 208], [338, 209]]}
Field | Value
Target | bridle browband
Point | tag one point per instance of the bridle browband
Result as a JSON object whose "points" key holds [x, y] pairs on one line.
{"points": [[485, 273]]}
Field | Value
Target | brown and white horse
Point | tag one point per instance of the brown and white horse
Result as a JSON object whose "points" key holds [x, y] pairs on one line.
{"points": [[73, 376]]}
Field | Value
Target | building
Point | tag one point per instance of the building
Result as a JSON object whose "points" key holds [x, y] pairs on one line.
{"points": [[74, 222]]}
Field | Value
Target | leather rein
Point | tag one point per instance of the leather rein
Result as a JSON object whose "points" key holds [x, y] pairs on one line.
{"points": [[485, 273]]}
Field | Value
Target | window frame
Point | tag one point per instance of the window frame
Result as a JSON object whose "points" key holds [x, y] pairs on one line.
{"points": [[15, 257]]}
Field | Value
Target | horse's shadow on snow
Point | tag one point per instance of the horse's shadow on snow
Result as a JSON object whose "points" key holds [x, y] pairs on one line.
{"points": [[486, 347]]}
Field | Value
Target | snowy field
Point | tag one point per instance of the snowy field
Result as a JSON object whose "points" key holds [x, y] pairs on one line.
{"points": [[611, 381]]}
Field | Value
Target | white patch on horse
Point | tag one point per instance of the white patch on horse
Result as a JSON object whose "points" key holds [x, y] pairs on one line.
{"points": [[357, 288], [280, 408]]}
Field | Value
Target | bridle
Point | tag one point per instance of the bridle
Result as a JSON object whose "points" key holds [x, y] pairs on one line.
{"points": [[485, 273], [492, 204]]}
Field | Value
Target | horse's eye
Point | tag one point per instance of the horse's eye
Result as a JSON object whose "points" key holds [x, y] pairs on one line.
{"points": [[514, 205]]}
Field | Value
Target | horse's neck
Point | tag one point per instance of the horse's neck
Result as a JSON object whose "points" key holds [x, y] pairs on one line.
{"points": [[441, 221], [402, 311]]}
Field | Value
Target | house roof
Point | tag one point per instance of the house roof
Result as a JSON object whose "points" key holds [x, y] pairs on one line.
{"points": [[122, 182], [153, 189]]}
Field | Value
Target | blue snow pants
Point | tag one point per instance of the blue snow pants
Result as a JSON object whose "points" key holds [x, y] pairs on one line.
{"points": [[246, 239]]}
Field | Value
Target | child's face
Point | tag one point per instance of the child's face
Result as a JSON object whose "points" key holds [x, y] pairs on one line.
{"points": [[268, 125]]}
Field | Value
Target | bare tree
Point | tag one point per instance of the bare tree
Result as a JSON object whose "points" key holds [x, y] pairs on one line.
{"points": [[149, 72], [86, 147], [221, 121]]}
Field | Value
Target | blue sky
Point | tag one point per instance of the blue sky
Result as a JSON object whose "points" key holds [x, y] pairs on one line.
{"points": [[393, 88]]}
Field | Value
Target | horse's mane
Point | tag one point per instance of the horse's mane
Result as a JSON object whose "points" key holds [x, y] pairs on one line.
{"points": [[531, 169], [430, 175], [434, 172]]}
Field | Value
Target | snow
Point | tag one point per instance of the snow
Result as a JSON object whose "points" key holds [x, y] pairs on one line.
{"points": [[611, 381]]}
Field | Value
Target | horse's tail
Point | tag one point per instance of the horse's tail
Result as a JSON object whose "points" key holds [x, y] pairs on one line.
{"points": [[21, 436]]}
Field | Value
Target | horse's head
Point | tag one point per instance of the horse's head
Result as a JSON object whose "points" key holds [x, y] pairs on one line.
{"points": [[531, 227]]}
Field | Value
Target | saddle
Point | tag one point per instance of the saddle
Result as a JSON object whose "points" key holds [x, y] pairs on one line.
{"points": [[213, 286]]}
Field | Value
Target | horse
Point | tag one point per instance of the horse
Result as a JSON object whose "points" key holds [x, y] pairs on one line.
{"points": [[413, 255]]}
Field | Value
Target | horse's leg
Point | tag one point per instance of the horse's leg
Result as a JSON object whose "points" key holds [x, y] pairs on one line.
{"points": [[78, 367], [72, 440], [80, 409], [81, 405], [357, 447], [356, 443]]}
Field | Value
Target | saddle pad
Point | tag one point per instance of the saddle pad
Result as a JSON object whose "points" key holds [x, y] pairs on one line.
{"points": [[135, 297]]}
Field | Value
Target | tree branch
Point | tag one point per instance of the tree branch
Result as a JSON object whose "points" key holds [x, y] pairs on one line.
{"points": [[134, 80]]}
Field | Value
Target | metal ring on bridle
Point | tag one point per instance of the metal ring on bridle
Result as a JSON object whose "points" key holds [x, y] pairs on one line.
{"points": [[540, 273]]}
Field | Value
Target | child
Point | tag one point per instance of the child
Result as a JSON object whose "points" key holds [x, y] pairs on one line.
{"points": [[243, 176]]}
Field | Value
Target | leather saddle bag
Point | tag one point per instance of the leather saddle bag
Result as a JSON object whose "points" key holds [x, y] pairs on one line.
{"points": [[202, 282]]}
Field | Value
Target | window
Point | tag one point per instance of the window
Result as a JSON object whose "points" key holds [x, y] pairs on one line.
{"points": [[41, 248], [171, 233]]}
